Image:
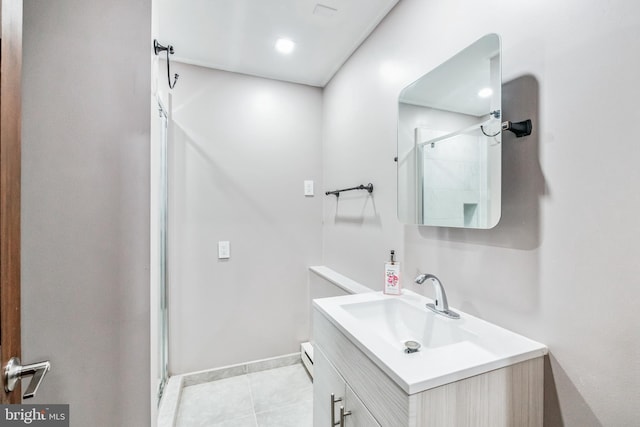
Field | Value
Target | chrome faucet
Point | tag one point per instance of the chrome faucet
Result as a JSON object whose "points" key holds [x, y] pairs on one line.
{"points": [[441, 305]]}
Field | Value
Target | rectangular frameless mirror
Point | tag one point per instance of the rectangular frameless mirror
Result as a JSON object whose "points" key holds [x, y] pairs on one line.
{"points": [[449, 141]]}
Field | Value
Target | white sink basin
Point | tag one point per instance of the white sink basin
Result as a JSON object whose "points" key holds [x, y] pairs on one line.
{"points": [[398, 322], [451, 349]]}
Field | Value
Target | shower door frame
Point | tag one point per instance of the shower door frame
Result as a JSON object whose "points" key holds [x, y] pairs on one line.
{"points": [[163, 198]]}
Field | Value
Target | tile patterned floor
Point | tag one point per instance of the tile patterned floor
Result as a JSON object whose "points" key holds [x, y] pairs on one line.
{"points": [[279, 397]]}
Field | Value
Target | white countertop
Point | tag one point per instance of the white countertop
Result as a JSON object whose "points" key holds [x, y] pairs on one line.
{"points": [[452, 349]]}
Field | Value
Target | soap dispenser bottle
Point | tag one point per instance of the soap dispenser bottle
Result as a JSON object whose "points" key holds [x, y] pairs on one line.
{"points": [[392, 276]]}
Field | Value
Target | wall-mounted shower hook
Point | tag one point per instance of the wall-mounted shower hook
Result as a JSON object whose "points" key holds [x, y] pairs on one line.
{"points": [[157, 48], [519, 129]]}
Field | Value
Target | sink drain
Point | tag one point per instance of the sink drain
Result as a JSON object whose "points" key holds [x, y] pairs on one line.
{"points": [[411, 346]]}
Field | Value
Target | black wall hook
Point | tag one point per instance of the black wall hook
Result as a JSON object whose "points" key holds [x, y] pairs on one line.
{"points": [[157, 48]]}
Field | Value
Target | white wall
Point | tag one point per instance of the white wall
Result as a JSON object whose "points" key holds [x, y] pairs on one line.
{"points": [[242, 148], [85, 206], [561, 267]]}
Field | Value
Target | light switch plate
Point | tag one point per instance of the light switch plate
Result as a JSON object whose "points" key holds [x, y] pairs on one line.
{"points": [[224, 249], [308, 188]]}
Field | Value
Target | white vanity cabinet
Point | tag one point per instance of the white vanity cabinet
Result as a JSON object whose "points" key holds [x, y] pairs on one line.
{"points": [[511, 396], [330, 393]]}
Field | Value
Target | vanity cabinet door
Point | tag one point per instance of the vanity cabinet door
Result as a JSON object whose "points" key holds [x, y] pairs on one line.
{"points": [[326, 381], [360, 415]]}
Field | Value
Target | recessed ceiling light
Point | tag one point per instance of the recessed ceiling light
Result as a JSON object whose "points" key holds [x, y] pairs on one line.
{"points": [[485, 92], [285, 46]]}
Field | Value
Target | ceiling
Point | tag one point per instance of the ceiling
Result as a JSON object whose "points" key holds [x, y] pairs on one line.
{"points": [[239, 35]]}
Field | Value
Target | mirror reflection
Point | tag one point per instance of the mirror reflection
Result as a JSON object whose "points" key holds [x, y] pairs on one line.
{"points": [[449, 141]]}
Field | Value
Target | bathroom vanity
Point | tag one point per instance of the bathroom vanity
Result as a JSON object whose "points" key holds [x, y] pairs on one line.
{"points": [[467, 372]]}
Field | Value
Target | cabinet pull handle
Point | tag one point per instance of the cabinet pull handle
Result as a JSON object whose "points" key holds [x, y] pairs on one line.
{"points": [[333, 409], [343, 415]]}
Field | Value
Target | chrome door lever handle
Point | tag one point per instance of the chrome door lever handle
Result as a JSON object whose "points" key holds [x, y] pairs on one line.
{"points": [[14, 371]]}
